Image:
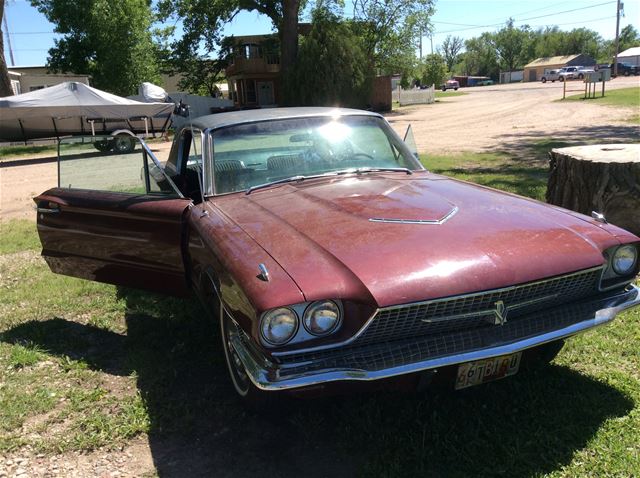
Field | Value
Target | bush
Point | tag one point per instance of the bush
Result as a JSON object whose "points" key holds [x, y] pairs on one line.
{"points": [[331, 69]]}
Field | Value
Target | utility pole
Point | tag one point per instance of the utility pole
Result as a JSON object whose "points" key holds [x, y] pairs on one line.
{"points": [[6, 29], [431, 37], [615, 60], [421, 45]]}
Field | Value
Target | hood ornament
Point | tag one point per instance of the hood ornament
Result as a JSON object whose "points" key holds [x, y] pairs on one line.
{"points": [[264, 272], [599, 217]]}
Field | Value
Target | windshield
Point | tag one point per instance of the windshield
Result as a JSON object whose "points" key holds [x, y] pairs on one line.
{"points": [[253, 154]]}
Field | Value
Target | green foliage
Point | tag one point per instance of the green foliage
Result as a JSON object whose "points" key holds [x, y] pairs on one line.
{"points": [[450, 50], [202, 21], [509, 42], [511, 48], [480, 57], [629, 37], [198, 73], [332, 68], [390, 31], [111, 41], [433, 70]]}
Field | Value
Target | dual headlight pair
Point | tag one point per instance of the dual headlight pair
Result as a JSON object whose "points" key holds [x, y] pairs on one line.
{"points": [[623, 260], [279, 326]]}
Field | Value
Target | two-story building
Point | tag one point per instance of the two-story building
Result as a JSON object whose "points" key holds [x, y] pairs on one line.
{"points": [[253, 73]]}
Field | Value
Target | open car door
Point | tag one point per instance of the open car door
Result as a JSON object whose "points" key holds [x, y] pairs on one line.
{"points": [[115, 217]]}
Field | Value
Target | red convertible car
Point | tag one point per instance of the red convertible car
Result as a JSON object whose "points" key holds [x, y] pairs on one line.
{"points": [[330, 255]]}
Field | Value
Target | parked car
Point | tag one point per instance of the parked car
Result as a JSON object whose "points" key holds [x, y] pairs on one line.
{"points": [[625, 69], [550, 75], [329, 255], [450, 85], [568, 73]]}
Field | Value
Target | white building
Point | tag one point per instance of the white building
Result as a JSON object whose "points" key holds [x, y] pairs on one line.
{"points": [[630, 55]]}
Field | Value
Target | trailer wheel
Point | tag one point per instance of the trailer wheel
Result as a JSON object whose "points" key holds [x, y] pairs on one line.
{"points": [[104, 145], [123, 143]]}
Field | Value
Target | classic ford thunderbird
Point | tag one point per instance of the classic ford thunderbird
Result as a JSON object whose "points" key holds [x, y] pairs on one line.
{"points": [[330, 256]]}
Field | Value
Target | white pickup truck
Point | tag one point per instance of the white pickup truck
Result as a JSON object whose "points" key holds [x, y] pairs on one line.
{"points": [[574, 72]]}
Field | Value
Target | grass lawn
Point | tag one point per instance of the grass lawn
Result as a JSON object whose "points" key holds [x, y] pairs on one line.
{"points": [[629, 97], [86, 365], [445, 94], [7, 152]]}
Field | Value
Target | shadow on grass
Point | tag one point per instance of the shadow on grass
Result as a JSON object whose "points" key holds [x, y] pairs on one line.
{"points": [[528, 425], [536, 144]]}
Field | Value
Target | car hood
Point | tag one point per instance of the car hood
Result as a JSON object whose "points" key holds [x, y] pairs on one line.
{"points": [[402, 239]]}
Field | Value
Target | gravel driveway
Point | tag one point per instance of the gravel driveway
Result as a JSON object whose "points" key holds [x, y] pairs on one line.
{"points": [[488, 118]]}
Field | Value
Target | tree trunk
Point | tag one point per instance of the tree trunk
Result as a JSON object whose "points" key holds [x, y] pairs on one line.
{"points": [[5, 84], [288, 41], [289, 34], [600, 178]]}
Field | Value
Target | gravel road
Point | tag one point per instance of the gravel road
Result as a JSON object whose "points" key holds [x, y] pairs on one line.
{"points": [[488, 118]]}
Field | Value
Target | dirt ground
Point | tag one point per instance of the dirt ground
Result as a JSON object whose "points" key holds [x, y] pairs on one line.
{"points": [[492, 118]]}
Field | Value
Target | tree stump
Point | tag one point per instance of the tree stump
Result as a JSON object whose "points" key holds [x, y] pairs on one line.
{"points": [[603, 178]]}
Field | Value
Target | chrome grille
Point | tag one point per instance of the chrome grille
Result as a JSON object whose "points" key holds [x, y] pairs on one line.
{"points": [[477, 310], [391, 354]]}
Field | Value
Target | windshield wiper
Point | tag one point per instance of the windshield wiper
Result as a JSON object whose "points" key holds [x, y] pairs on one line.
{"points": [[292, 179], [373, 170], [300, 178]]}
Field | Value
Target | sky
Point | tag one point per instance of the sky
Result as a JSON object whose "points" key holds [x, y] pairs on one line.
{"points": [[31, 35]]}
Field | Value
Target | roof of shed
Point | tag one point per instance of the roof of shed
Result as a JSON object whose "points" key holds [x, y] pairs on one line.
{"points": [[633, 51], [551, 61]]}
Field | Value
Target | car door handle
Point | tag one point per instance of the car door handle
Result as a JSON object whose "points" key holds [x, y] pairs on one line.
{"points": [[52, 208], [45, 210]]}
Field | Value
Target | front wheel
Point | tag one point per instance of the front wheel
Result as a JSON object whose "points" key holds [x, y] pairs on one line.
{"points": [[444, 88], [580, 76], [544, 80], [251, 395], [561, 78]]}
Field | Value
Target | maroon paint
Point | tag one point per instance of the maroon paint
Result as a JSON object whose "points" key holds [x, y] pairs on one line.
{"points": [[115, 238]]}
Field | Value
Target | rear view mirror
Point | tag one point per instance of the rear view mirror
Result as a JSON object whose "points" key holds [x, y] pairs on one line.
{"points": [[410, 141]]}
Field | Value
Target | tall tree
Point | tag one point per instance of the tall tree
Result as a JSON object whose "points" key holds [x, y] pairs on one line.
{"points": [[433, 70], [629, 37], [508, 42], [480, 57], [109, 40], [451, 48], [332, 69], [5, 84], [390, 30], [203, 20]]}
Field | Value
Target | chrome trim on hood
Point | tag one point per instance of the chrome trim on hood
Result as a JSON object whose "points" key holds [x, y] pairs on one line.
{"points": [[418, 221]]}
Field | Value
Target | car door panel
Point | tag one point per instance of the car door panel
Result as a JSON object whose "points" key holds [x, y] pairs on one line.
{"points": [[117, 238]]}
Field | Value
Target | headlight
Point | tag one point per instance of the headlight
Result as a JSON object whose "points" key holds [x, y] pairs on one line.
{"points": [[624, 260], [279, 326], [321, 318]]}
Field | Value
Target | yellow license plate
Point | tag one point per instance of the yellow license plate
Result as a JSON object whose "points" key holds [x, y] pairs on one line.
{"points": [[482, 371]]}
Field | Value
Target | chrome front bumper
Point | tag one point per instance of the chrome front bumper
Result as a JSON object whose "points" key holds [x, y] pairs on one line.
{"points": [[337, 364]]}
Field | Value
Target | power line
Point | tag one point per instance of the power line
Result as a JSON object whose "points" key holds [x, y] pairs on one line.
{"points": [[34, 33], [576, 23], [474, 27]]}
